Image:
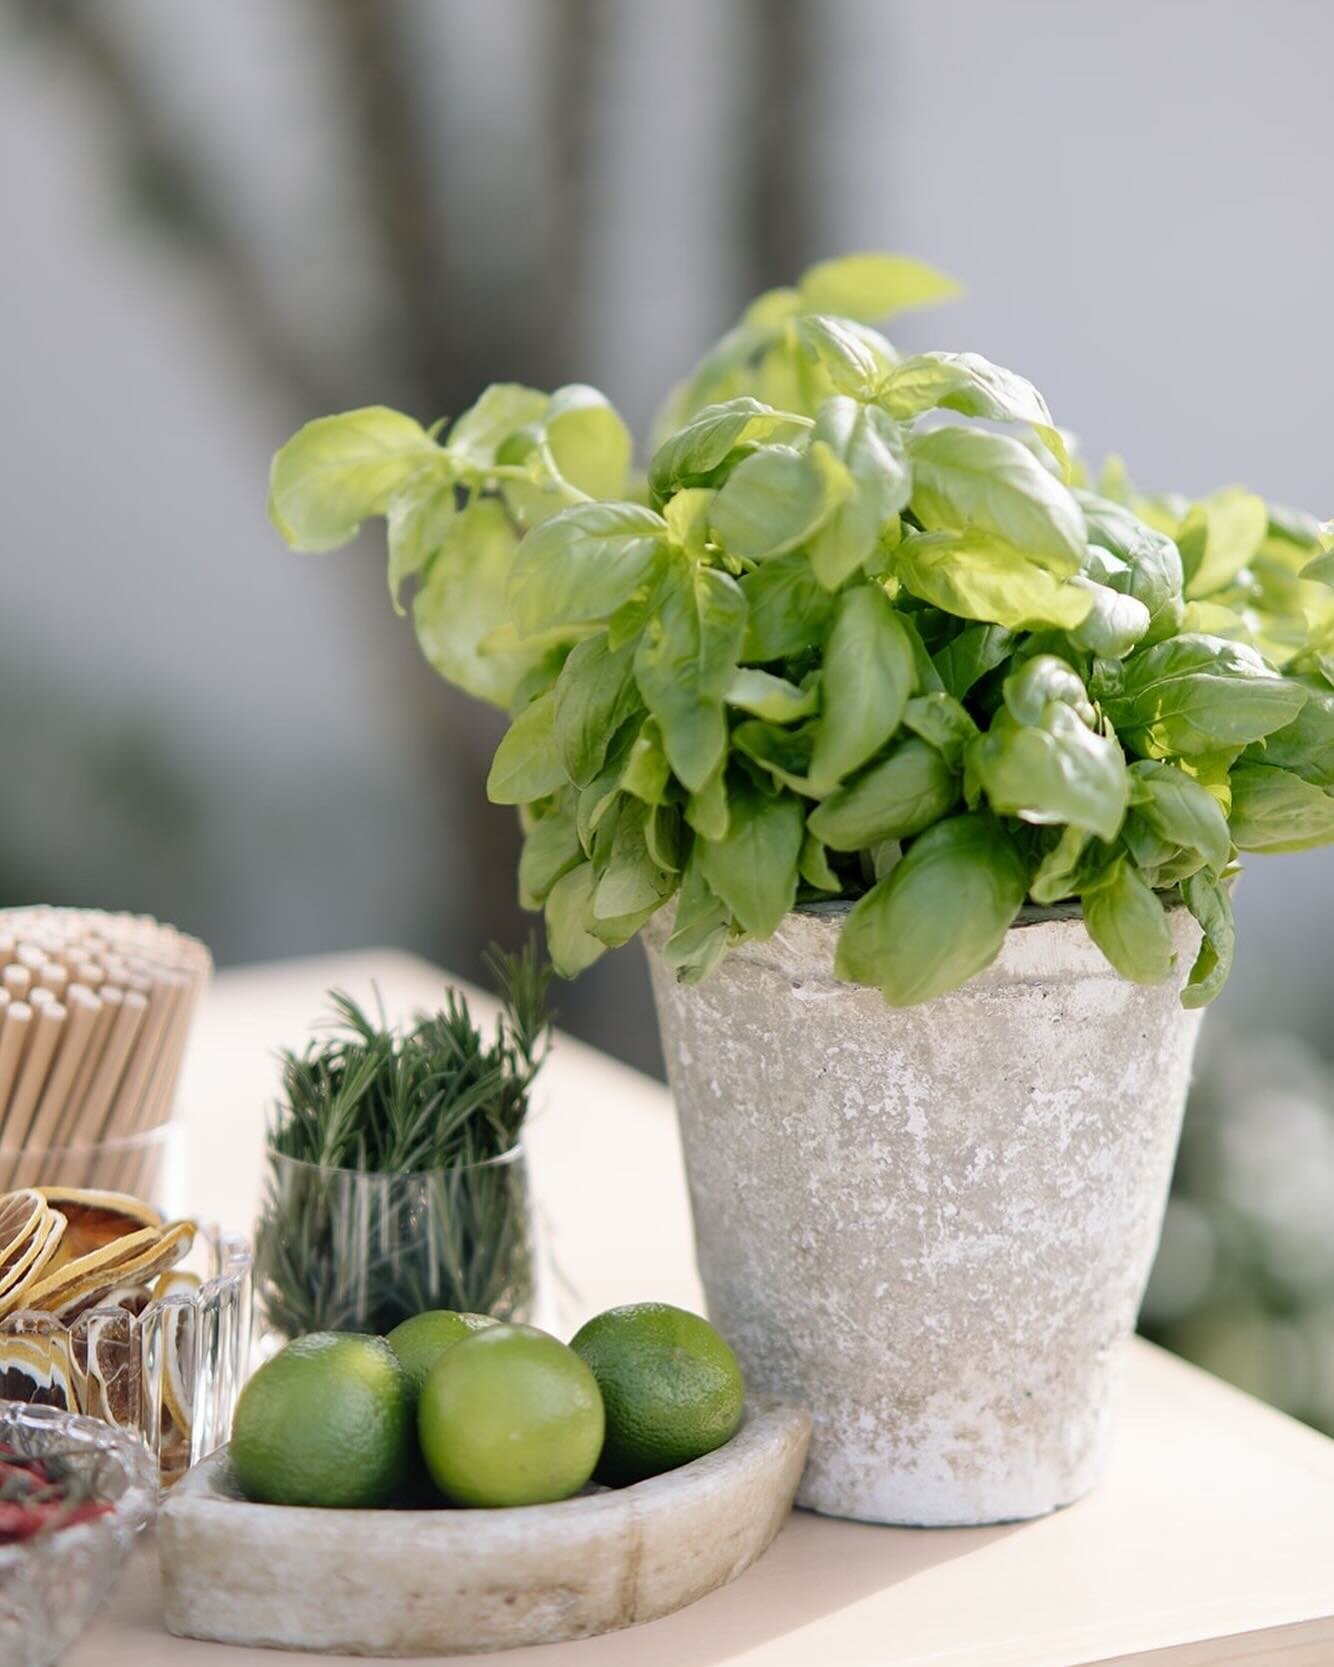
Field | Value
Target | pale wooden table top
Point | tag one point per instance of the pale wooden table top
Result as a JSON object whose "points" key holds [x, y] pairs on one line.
{"points": [[1211, 1540]]}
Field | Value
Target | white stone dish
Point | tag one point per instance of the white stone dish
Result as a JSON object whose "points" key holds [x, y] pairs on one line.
{"points": [[451, 1582]]}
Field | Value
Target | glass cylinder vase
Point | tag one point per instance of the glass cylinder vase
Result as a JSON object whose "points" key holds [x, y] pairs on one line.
{"points": [[345, 1250]]}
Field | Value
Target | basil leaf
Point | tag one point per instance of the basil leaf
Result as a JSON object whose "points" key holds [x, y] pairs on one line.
{"points": [[1075, 862], [754, 867], [1234, 524], [571, 946], [813, 866], [784, 753], [1273, 810], [771, 698], [1150, 563], [787, 609], [647, 771], [976, 578], [1195, 694], [502, 409], [337, 471], [893, 799], [417, 523], [587, 440], [1057, 771], [1030, 689], [847, 361], [1129, 925], [775, 499], [462, 602], [684, 665], [632, 880], [939, 916], [595, 693], [527, 764], [867, 678], [700, 932], [1207, 899], [1306, 745], [1115, 623], [969, 480], [707, 811], [871, 448], [689, 457], [973, 386], [550, 848], [583, 563], [1181, 811], [941, 720], [870, 287], [971, 655]]}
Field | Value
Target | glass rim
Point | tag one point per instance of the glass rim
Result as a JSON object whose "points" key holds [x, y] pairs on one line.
{"points": [[515, 1154], [143, 1141]]}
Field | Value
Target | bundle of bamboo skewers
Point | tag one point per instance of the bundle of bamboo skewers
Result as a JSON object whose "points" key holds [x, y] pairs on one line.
{"points": [[95, 1009]]}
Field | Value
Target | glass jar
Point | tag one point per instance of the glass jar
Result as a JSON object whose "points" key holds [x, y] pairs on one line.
{"points": [[346, 1250], [149, 1165]]}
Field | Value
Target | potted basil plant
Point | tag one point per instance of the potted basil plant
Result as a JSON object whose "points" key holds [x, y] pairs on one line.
{"points": [[923, 764]]}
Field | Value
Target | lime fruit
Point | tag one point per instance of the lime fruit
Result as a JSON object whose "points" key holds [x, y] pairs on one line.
{"points": [[670, 1384], [420, 1341], [510, 1416], [328, 1421]]}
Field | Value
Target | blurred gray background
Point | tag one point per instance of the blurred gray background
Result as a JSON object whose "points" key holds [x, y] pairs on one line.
{"points": [[224, 217]]}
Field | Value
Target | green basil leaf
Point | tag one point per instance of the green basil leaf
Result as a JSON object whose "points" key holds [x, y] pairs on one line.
{"points": [[1031, 688], [814, 867], [1150, 570], [870, 287], [707, 811], [632, 880], [1306, 745], [337, 471], [502, 410], [462, 603], [684, 665], [647, 771], [582, 563], [1055, 772], [939, 916], [978, 578], [550, 848], [971, 655], [571, 946], [590, 444], [845, 357], [1320, 569], [867, 678], [788, 609], [870, 446], [417, 523], [775, 499], [1115, 623], [1181, 811], [1235, 524], [1196, 694], [771, 698], [1207, 899], [701, 928], [1273, 810], [973, 386], [595, 693], [754, 867], [969, 480], [1074, 863], [896, 797], [1129, 925], [784, 753], [527, 764], [689, 457], [943, 722]]}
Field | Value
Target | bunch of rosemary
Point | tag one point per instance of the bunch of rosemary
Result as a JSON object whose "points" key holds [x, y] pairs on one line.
{"points": [[394, 1181]]}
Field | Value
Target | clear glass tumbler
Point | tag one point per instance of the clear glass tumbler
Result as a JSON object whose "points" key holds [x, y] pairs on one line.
{"points": [[344, 1250]]}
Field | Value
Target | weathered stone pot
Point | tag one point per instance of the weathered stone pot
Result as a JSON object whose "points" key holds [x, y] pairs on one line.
{"points": [[931, 1226]]}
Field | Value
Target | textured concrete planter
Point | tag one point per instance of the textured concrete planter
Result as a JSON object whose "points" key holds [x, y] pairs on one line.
{"points": [[932, 1227]]}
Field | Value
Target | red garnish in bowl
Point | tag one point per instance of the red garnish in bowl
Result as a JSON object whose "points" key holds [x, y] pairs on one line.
{"points": [[40, 1495]]}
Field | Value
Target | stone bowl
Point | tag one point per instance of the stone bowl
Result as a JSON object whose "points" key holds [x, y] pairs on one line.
{"points": [[454, 1582]]}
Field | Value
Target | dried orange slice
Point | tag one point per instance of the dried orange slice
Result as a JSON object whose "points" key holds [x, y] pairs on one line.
{"points": [[96, 1218], [25, 1218], [178, 1379], [105, 1352], [36, 1369], [73, 1282], [176, 1282], [43, 1252]]}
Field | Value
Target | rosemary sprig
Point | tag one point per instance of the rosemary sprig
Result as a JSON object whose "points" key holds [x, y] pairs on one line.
{"points": [[405, 1206]]}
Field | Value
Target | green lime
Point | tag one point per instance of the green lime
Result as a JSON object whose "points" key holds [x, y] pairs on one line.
{"points": [[326, 1422], [509, 1416], [420, 1341], [671, 1386]]}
